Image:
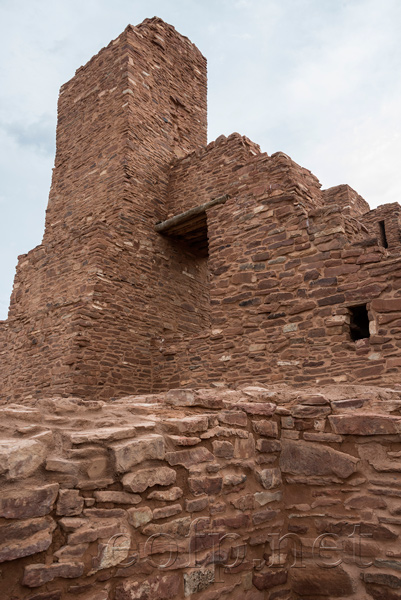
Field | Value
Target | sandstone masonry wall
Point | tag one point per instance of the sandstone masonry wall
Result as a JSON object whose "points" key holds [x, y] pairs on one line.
{"points": [[285, 269], [389, 234], [349, 200], [87, 302], [262, 493], [108, 306]]}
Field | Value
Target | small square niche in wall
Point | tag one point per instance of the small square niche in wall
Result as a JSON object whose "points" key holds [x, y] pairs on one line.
{"points": [[359, 322]]}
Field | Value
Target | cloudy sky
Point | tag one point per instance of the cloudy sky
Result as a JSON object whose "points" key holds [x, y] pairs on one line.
{"points": [[317, 79]]}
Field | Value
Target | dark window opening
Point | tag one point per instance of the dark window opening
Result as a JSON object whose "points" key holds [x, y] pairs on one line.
{"points": [[359, 322], [383, 237]]}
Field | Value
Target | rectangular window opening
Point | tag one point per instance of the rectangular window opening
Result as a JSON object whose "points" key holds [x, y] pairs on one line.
{"points": [[383, 237], [359, 322]]}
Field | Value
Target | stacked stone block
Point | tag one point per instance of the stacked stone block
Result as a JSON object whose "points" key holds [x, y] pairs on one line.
{"points": [[108, 306], [262, 493]]}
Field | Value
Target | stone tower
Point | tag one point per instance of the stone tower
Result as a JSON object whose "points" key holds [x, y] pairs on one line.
{"points": [[87, 302]]}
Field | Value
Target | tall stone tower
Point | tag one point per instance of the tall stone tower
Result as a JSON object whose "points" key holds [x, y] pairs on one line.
{"points": [[89, 301]]}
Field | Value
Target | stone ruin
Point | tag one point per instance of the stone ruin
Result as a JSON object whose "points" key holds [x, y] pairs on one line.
{"points": [[200, 390]]}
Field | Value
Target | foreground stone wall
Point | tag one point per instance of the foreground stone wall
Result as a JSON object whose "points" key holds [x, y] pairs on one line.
{"points": [[262, 493]]}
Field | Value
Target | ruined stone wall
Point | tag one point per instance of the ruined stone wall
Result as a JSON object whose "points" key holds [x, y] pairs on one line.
{"points": [[3, 344], [88, 302], [349, 200], [208, 172], [256, 493], [284, 270], [389, 234]]}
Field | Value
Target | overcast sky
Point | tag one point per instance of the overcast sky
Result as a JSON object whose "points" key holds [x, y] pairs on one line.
{"points": [[318, 79]]}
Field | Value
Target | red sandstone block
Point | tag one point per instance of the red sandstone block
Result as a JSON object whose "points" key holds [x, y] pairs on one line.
{"points": [[266, 428], [269, 579], [365, 424], [187, 458], [386, 305], [37, 575]]}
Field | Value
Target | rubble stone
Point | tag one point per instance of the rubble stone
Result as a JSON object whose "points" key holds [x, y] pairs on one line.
{"points": [[23, 504], [145, 478]]}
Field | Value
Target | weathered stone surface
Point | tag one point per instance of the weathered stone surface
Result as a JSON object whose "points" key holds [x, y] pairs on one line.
{"points": [[181, 397], [159, 587], [269, 579], [70, 503], [269, 478], [105, 434], [314, 400], [377, 592], [268, 445], [263, 498], [178, 527], [196, 505], [127, 454], [166, 495], [310, 436], [197, 581], [245, 502], [99, 595], [188, 424], [310, 412], [233, 418], [244, 448], [205, 485], [315, 581], [117, 497], [222, 591], [145, 478], [386, 579], [375, 454], [20, 458], [387, 564], [223, 432], [104, 513], [299, 457], [72, 523], [187, 458], [312, 479], [257, 408], [208, 398], [94, 530], [167, 511], [234, 479], [266, 428], [237, 521], [37, 575], [223, 449], [348, 404], [181, 440], [348, 528], [139, 516], [365, 424], [62, 465], [71, 553], [25, 537], [262, 516], [55, 595], [23, 504], [386, 305]]}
